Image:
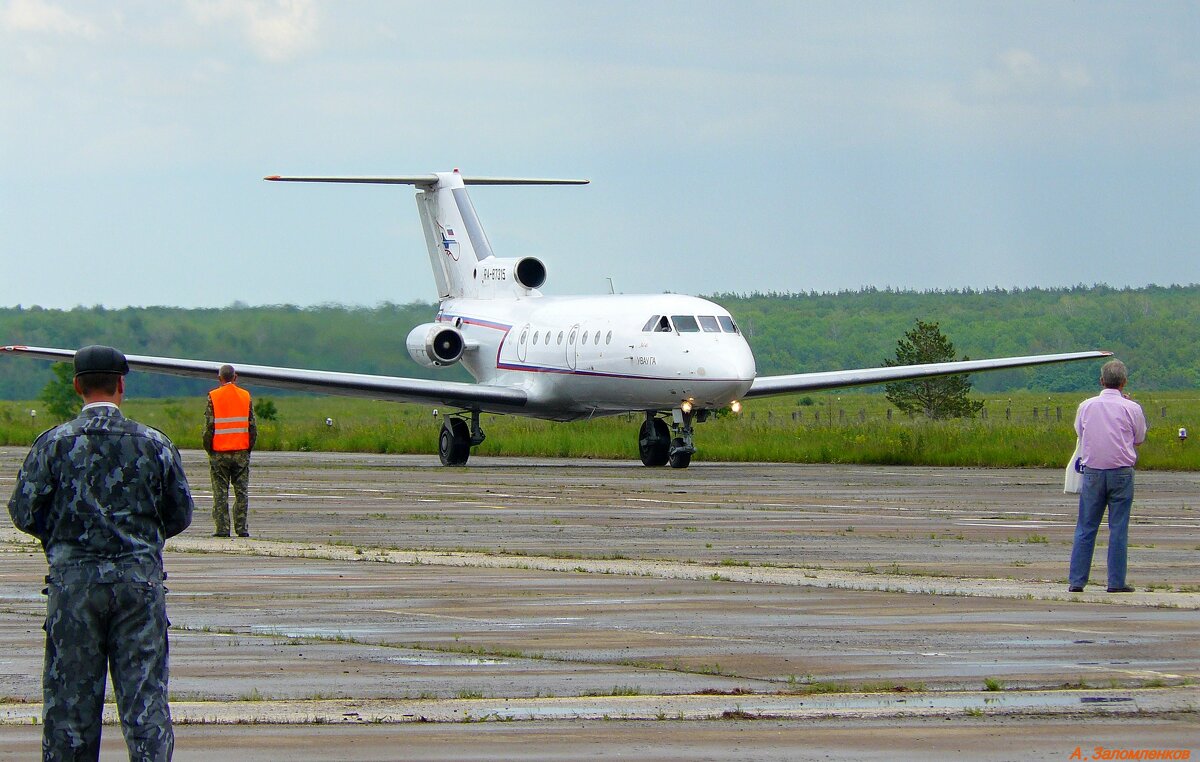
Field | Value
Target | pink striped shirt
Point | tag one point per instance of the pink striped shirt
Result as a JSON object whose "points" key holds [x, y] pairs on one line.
{"points": [[1109, 427]]}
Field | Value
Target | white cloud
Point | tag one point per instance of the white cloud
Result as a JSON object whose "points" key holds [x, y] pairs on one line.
{"points": [[1020, 73], [277, 30], [40, 17]]}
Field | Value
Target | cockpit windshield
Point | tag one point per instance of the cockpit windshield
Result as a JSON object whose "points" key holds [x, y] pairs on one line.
{"points": [[685, 323], [690, 324], [658, 324]]}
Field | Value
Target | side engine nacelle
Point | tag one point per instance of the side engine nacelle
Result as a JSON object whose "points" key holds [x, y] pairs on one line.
{"points": [[436, 345]]}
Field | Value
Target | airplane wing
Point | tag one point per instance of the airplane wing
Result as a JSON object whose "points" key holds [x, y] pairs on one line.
{"points": [[810, 382], [451, 393]]}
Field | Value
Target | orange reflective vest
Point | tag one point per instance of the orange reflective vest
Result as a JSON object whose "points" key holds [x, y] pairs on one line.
{"points": [[231, 414]]}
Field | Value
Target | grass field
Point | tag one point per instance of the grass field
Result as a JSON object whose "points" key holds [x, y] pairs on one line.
{"points": [[1020, 429]]}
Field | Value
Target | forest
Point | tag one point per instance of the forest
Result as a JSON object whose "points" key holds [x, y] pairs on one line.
{"points": [[1154, 329]]}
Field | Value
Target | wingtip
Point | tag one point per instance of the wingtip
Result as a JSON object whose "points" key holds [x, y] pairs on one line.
{"points": [[272, 177]]}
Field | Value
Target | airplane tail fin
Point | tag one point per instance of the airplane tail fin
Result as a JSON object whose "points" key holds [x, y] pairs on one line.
{"points": [[453, 235]]}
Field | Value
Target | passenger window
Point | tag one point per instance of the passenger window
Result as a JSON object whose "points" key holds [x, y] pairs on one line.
{"points": [[685, 324], [585, 333], [535, 337], [524, 335], [597, 339], [547, 338], [709, 324], [560, 335], [608, 338], [651, 325], [571, 338], [727, 324]]}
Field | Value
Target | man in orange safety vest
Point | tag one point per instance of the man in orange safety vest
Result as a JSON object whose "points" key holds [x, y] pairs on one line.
{"points": [[229, 434]]}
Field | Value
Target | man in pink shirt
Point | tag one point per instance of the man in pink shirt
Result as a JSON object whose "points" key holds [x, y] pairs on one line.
{"points": [[1110, 428]]}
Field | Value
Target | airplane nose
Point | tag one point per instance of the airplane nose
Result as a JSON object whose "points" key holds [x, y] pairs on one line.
{"points": [[741, 363], [735, 366]]}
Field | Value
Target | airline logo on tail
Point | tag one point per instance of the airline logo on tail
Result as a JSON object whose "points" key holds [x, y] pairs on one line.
{"points": [[449, 245]]}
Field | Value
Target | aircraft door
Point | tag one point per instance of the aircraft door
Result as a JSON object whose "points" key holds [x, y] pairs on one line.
{"points": [[573, 347], [523, 343]]}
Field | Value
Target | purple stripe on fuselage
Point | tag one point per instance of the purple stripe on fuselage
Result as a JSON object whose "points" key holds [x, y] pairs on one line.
{"points": [[603, 374]]}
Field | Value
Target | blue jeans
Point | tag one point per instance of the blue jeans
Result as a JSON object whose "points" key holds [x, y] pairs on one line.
{"points": [[1102, 487]]}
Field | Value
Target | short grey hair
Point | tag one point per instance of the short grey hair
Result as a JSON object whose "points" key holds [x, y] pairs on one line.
{"points": [[1114, 374], [226, 373]]}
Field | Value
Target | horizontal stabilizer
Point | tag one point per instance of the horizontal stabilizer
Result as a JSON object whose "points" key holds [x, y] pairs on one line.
{"points": [[428, 180]]}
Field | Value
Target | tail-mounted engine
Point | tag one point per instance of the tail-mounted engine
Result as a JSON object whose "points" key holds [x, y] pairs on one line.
{"points": [[501, 275], [436, 345]]}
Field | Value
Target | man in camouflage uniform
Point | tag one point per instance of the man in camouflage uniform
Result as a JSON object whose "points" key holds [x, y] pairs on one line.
{"points": [[229, 436], [102, 493]]}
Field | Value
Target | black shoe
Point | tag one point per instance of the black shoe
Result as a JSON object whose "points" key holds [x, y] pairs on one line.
{"points": [[243, 534], [1074, 589], [220, 534], [1121, 590]]}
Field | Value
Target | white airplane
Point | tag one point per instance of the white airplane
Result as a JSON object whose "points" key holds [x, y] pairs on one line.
{"points": [[675, 359]]}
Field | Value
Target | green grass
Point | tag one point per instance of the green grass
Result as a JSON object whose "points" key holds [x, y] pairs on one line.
{"points": [[835, 428]]}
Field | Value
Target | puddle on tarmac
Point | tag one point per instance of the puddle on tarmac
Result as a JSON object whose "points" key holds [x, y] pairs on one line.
{"points": [[444, 661], [823, 704], [341, 633]]}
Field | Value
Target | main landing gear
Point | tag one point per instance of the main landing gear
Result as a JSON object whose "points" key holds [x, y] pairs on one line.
{"points": [[659, 446], [457, 439]]}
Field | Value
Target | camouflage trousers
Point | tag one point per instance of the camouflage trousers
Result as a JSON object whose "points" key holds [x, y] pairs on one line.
{"points": [[226, 469], [93, 628]]}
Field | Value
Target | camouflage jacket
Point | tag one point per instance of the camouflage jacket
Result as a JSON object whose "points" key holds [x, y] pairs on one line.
{"points": [[103, 493]]}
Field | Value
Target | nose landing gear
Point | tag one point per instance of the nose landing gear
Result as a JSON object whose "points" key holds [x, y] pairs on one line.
{"points": [[681, 446], [660, 446]]}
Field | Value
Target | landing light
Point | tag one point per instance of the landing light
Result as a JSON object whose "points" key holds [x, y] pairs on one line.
{"points": [[735, 406], [686, 406]]}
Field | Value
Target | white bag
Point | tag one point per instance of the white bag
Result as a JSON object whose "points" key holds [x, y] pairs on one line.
{"points": [[1073, 473]]}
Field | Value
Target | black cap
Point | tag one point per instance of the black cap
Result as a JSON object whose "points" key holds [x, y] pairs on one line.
{"points": [[98, 358]]}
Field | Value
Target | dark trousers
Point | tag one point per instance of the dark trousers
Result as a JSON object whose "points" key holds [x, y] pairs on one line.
{"points": [[93, 628], [230, 469], [1103, 488]]}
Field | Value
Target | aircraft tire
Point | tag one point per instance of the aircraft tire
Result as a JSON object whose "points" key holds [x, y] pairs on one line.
{"points": [[654, 442], [679, 457], [454, 442]]}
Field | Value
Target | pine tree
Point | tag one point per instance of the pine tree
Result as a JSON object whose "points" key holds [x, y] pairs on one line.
{"points": [[940, 397], [62, 403]]}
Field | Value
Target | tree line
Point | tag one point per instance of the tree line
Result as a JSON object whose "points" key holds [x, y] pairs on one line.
{"points": [[1155, 329]]}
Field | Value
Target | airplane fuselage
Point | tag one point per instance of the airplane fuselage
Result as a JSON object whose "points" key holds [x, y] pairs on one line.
{"points": [[583, 356]]}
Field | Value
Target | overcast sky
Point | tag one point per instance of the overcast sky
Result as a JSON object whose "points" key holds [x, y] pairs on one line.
{"points": [[742, 147]]}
